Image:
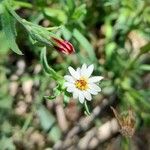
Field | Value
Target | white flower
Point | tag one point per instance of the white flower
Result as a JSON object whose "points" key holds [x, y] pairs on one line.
{"points": [[81, 84]]}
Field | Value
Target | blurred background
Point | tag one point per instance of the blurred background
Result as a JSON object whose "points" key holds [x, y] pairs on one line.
{"points": [[114, 35]]}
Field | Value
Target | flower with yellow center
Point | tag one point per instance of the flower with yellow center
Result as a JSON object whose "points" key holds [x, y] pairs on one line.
{"points": [[81, 84]]}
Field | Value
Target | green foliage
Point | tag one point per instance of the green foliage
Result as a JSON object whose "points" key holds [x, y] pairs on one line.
{"points": [[8, 24], [7, 143], [84, 42], [114, 35], [46, 119], [5, 98], [145, 48], [48, 123]]}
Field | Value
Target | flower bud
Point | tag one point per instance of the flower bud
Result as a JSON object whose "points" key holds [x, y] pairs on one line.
{"points": [[62, 46]]}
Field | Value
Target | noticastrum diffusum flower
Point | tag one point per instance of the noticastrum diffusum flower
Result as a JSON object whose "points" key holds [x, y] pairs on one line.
{"points": [[81, 84], [62, 46]]}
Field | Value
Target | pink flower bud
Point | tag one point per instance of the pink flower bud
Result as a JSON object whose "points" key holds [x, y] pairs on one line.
{"points": [[63, 46]]}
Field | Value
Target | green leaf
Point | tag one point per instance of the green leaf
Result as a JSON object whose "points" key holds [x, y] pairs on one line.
{"points": [[52, 97], [4, 48], [55, 133], [56, 91], [85, 44], [8, 26], [146, 118], [79, 12], [37, 32], [1, 8], [140, 99], [70, 4], [55, 15], [47, 120], [48, 123], [109, 50], [109, 30], [66, 33], [6, 102], [22, 4], [7, 143], [66, 99], [145, 67], [145, 48]]}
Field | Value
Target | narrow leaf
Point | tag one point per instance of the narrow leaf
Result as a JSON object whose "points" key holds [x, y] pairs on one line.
{"points": [[79, 12], [47, 120], [145, 48], [55, 133], [8, 26], [70, 4], [85, 44], [145, 67]]}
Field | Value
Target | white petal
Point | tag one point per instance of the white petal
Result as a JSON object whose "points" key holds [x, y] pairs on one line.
{"points": [[84, 66], [92, 92], [89, 70], [68, 84], [94, 87], [78, 71], [83, 70], [81, 97], [95, 79], [69, 78], [74, 73], [70, 89], [75, 93], [87, 95]]}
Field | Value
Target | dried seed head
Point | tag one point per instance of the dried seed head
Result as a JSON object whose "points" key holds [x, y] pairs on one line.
{"points": [[126, 122]]}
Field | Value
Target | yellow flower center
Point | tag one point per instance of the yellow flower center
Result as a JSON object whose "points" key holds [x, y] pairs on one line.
{"points": [[81, 84]]}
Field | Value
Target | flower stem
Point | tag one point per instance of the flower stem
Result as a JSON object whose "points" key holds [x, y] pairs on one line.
{"points": [[87, 112], [48, 69]]}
